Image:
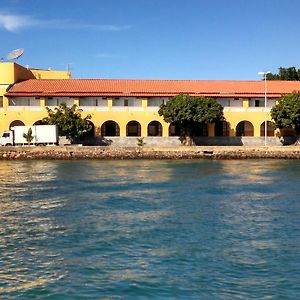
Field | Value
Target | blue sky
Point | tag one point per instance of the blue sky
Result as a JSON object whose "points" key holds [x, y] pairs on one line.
{"points": [[154, 39]]}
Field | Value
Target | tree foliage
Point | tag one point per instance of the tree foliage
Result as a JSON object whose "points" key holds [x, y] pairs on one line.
{"points": [[69, 121], [191, 111], [28, 136], [286, 113], [290, 73]]}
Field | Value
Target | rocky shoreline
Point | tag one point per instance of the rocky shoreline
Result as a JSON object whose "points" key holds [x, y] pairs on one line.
{"points": [[194, 152]]}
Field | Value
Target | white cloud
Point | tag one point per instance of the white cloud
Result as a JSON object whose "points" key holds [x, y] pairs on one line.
{"points": [[106, 55], [15, 23], [69, 24], [111, 27]]}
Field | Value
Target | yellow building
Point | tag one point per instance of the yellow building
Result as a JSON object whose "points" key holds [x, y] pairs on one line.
{"points": [[129, 108]]}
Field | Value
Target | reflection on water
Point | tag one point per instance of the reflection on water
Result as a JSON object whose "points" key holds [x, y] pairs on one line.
{"points": [[149, 229]]}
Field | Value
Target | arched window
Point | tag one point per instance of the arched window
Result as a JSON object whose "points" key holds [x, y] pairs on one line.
{"points": [[287, 131], [244, 128], [154, 129], [222, 128], [270, 129], [91, 133], [133, 128], [16, 123], [174, 129], [39, 122], [110, 128], [200, 129]]}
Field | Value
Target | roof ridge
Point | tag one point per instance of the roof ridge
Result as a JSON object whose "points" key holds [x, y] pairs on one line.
{"points": [[140, 87], [153, 80]]}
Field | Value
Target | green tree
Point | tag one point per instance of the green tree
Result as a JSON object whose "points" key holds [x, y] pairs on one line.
{"points": [[28, 136], [69, 121], [286, 113], [290, 73], [190, 112]]}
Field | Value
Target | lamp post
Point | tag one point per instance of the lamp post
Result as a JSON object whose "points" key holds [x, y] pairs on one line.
{"points": [[266, 122]]}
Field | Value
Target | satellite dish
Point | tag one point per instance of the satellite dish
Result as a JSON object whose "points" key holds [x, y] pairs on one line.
{"points": [[15, 54]]}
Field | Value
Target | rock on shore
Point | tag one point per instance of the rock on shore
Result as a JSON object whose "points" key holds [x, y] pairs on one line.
{"points": [[181, 152]]}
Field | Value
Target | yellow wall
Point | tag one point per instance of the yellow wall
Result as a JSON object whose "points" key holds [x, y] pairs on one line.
{"points": [[29, 115], [7, 74], [50, 74], [123, 117], [11, 72], [22, 73], [256, 118]]}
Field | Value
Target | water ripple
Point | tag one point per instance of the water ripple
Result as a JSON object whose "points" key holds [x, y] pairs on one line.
{"points": [[149, 230]]}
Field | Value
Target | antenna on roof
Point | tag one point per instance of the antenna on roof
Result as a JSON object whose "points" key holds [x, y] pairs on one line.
{"points": [[15, 54], [69, 66]]}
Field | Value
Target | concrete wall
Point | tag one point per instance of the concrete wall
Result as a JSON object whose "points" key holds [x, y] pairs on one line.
{"points": [[243, 141], [176, 141], [132, 141]]}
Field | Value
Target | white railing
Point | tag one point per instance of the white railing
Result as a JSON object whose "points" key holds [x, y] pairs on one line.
{"points": [[152, 108], [25, 108], [119, 108], [258, 109], [94, 108], [234, 109], [102, 108], [249, 109], [136, 108], [127, 108]]}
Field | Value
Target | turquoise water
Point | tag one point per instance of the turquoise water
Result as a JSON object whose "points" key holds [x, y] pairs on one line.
{"points": [[150, 229]]}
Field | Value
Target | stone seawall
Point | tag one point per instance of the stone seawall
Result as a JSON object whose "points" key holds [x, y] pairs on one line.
{"points": [[181, 152]]}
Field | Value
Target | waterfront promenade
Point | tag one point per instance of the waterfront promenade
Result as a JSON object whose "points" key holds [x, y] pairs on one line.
{"points": [[182, 152]]}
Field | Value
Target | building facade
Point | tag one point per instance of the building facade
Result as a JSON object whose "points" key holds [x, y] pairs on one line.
{"points": [[129, 108]]}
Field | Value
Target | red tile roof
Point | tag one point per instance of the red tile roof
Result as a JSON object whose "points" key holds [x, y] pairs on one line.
{"points": [[147, 88]]}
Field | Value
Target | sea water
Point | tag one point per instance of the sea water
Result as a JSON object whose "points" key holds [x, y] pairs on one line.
{"points": [[143, 229]]}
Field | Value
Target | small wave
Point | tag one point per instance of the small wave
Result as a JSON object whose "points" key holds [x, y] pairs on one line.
{"points": [[27, 285]]}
